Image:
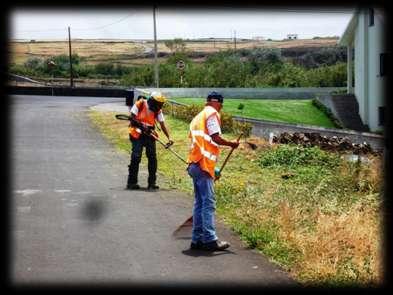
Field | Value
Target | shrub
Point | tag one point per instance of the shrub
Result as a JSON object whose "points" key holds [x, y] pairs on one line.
{"points": [[188, 112], [324, 56], [141, 76], [295, 156], [328, 76]]}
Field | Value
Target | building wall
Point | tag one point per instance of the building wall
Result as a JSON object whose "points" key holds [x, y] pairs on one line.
{"points": [[376, 82], [369, 86], [360, 66]]}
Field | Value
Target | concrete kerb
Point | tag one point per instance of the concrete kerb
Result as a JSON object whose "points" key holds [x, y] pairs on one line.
{"points": [[249, 93]]}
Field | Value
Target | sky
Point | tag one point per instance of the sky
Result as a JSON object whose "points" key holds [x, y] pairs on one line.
{"points": [[137, 23]]}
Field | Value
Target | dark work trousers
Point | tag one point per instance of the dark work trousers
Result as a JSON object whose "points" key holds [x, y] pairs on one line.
{"points": [[136, 155]]}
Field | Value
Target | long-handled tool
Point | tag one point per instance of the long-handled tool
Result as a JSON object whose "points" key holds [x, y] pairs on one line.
{"points": [[165, 145], [188, 223], [168, 147]]}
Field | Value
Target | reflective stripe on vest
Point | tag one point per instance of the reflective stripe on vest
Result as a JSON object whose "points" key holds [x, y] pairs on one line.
{"points": [[204, 150], [206, 137]]}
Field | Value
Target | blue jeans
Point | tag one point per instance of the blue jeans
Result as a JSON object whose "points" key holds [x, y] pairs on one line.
{"points": [[203, 227]]}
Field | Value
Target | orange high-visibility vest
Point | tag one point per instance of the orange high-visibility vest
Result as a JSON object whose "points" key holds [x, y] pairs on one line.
{"points": [[144, 116], [204, 150]]}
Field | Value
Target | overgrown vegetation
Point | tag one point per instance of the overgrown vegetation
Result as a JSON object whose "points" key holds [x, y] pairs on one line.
{"points": [[38, 67], [258, 67], [310, 211], [188, 112]]}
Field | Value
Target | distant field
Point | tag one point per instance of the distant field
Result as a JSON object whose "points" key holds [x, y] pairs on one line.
{"points": [[288, 111], [126, 52]]}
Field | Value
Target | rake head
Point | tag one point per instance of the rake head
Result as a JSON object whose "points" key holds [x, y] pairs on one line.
{"points": [[184, 230]]}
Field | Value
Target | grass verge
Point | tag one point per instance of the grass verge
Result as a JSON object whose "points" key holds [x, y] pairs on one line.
{"points": [[309, 211], [294, 111]]}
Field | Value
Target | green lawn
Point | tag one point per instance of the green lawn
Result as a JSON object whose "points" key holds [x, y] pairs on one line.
{"points": [[295, 111]]}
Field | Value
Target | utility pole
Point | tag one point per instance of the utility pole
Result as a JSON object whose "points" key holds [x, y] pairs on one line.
{"points": [[235, 39], [69, 46], [156, 77]]}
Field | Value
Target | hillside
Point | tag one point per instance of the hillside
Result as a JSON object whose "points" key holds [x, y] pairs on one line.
{"points": [[141, 52]]}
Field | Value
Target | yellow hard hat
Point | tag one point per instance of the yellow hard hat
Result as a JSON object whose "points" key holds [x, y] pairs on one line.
{"points": [[158, 96]]}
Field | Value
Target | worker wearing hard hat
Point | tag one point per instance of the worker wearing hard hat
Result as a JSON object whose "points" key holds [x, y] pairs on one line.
{"points": [[144, 114], [205, 130]]}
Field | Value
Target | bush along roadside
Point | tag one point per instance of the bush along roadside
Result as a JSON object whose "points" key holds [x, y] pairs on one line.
{"points": [[188, 112]]}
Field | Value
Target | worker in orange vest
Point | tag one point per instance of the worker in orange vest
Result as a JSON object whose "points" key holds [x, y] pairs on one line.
{"points": [[144, 113], [205, 131]]}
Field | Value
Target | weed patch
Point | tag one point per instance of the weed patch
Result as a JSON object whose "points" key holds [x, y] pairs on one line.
{"points": [[321, 222]]}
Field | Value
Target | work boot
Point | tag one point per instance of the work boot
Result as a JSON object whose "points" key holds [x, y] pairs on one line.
{"points": [[153, 187], [133, 186], [196, 246], [215, 246]]}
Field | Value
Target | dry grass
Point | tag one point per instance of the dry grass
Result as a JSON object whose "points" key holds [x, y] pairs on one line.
{"points": [[325, 242], [345, 245], [122, 51]]}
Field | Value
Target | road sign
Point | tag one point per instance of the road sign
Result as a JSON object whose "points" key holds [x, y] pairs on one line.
{"points": [[180, 65]]}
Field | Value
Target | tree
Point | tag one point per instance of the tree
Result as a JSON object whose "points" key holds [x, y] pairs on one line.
{"points": [[176, 45]]}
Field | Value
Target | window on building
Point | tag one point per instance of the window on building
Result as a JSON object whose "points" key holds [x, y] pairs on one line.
{"points": [[371, 17], [383, 64], [381, 116]]}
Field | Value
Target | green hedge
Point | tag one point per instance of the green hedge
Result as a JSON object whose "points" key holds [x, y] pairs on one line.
{"points": [[188, 112]]}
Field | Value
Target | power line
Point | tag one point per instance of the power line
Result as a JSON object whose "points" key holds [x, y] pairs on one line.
{"points": [[104, 26], [77, 29]]}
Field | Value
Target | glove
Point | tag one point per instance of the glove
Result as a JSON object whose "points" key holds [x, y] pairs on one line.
{"points": [[217, 173], [234, 144]]}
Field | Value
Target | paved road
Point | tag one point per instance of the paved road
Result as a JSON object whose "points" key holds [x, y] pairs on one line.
{"points": [[73, 222]]}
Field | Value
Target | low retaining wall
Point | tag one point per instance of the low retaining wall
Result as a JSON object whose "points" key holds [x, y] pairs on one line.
{"points": [[257, 93], [264, 128], [261, 93], [68, 91]]}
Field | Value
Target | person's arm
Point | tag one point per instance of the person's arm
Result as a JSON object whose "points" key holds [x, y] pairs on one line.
{"points": [[135, 122], [165, 130], [221, 141], [160, 118], [214, 130]]}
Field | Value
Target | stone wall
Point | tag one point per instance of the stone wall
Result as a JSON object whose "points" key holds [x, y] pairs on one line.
{"points": [[264, 128]]}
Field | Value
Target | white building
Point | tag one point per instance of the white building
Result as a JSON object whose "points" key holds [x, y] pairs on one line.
{"points": [[366, 55], [291, 36], [258, 38]]}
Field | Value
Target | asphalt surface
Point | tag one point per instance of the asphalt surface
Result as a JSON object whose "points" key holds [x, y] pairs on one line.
{"points": [[73, 222]]}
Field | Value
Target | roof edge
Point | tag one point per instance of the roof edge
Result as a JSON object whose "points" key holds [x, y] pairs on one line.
{"points": [[348, 34]]}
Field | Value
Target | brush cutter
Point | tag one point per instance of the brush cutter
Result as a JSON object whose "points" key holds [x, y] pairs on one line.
{"points": [[184, 227], [167, 146]]}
